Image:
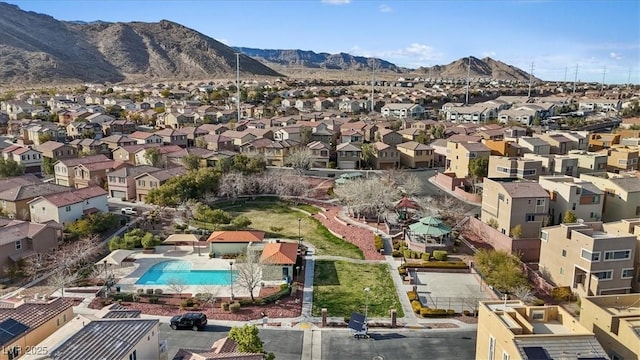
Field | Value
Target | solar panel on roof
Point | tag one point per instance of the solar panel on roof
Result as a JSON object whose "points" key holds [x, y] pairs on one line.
{"points": [[10, 329], [536, 353], [356, 322], [592, 358]]}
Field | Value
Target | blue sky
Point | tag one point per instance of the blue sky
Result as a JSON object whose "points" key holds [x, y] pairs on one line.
{"points": [[555, 35]]}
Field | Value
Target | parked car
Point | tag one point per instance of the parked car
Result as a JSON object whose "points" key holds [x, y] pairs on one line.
{"points": [[129, 211], [192, 320]]}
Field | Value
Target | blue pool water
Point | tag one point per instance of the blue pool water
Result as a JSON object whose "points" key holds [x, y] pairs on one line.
{"points": [[162, 273]]}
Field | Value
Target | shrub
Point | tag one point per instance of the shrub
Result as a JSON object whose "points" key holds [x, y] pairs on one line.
{"points": [[123, 296], [284, 292], [402, 271], [435, 265], [235, 307], [187, 303], [562, 293], [157, 291], [412, 295], [149, 291], [538, 302], [396, 245], [378, 242], [440, 255], [140, 291], [416, 306], [429, 312], [396, 253], [224, 306], [407, 253], [153, 300], [457, 242], [425, 257], [451, 312], [284, 286]]}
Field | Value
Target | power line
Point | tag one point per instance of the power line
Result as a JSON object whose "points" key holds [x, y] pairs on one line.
{"points": [[238, 85], [604, 73], [530, 80], [468, 81], [575, 79]]}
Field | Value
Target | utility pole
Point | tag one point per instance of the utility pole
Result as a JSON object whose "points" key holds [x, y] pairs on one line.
{"points": [[238, 85], [565, 74], [629, 79], [466, 102], [604, 73], [373, 83], [575, 80], [530, 80]]}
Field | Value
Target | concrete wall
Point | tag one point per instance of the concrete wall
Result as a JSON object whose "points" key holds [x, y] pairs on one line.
{"points": [[228, 249], [528, 249]]}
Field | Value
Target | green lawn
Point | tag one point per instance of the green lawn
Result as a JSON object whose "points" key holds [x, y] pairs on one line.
{"points": [[339, 286], [269, 213]]}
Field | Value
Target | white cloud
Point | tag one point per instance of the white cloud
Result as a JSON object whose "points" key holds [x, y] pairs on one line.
{"points": [[614, 56], [414, 55], [336, 2], [491, 54], [224, 41], [385, 8]]}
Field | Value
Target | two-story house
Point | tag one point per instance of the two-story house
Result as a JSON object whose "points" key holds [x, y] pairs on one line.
{"points": [[415, 155], [320, 154], [394, 110], [556, 164], [589, 162], [86, 147], [64, 170], [153, 180], [569, 194], [351, 136], [146, 137], [558, 143], [67, 207], [622, 158], [173, 137], [115, 141], [95, 174], [508, 202], [349, 155], [141, 156], [275, 152], [118, 127], [621, 194], [388, 137], [54, 151], [534, 145], [30, 158], [15, 200], [239, 138], [459, 154], [121, 182], [514, 167], [385, 156]]}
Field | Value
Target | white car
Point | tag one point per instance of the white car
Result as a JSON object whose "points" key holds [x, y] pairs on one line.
{"points": [[129, 211]]}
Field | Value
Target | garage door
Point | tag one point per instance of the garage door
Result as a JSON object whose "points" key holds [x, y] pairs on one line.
{"points": [[118, 194], [347, 164]]}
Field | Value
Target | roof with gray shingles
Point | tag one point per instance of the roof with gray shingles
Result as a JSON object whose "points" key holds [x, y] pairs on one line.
{"points": [[104, 339], [565, 347], [122, 314]]}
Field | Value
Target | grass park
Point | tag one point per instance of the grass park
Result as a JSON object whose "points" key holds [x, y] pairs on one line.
{"points": [[339, 287]]}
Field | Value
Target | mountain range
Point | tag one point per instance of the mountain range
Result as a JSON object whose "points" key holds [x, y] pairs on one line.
{"points": [[38, 49]]}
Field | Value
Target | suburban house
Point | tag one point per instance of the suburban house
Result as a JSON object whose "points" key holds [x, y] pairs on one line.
{"points": [[275, 152], [21, 239], [622, 158], [55, 151], [558, 143], [320, 154], [147, 181], [615, 320], [415, 155], [146, 137], [512, 330], [108, 338], [279, 259], [459, 154], [621, 194], [233, 242], [599, 105], [476, 114], [385, 156], [503, 147], [70, 206], [534, 145], [587, 258], [217, 142], [514, 167], [348, 155], [289, 133], [95, 173], [411, 134], [351, 136], [30, 158], [90, 147], [556, 164], [239, 138], [224, 348], [193, 133], [141, 158], [402, 111], [173, 137], [15, 200], [601, 141], [569, 194], [128, 153], [121, 182], [115, 141], [27, 322], [388, 137], [508, 203], [64, 170], [589, 162]]}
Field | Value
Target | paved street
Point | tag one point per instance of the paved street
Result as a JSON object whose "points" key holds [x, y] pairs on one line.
{"points": [[285, 344], [441, 345]]}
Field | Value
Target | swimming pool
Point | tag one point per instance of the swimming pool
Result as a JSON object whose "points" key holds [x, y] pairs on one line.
{"points": [[165, 272]]}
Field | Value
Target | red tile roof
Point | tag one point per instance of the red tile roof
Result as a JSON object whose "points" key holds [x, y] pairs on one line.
{"points": [[279, 253], [236, 236], [74, 196]]}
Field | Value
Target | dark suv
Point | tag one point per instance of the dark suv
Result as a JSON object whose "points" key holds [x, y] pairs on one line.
{"points": [[193, 321]]}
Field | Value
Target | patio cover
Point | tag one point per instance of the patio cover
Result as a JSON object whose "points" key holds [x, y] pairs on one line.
{"points": [[178, 238], [430, 226], [116, 257]]}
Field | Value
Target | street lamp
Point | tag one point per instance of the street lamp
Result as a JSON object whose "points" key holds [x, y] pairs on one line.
{"points": [[231, 279], [299, 234], [366, 304], [298, 272]]}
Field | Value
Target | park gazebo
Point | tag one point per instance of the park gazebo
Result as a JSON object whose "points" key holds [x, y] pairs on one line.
{"points": [[429, 233], [406, 208], [176, 239]]}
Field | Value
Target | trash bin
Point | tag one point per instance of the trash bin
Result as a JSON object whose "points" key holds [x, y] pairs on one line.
{"points": [[117, 288]]}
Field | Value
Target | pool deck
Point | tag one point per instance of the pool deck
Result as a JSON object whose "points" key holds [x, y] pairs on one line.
{"points": [[129, 274]]}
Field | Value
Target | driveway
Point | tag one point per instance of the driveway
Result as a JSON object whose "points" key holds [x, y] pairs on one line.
{"points": [[285, 344], [441, 345]]}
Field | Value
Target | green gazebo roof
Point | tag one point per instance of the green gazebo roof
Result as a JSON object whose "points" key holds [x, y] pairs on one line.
{"points": [[430, 226]]}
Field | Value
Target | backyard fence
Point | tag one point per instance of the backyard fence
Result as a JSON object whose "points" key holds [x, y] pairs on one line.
{"points": [[459, 304]]}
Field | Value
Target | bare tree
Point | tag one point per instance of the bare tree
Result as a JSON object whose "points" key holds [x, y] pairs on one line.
{"points": [[428, 206], [232, 185], [249, 273], [524, 293], [300, 160], [177, 285], [62, 279], [208, 294], [410, 185]]}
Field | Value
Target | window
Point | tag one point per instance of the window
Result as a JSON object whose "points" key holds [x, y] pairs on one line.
{"points": [[617, 255], [564, 253], [544, 235], [627, 273], [133, 355], [540, 202], [561, 271], [537, 315], [18, 244], [531, 217], [590, 256], [604, 275], [528, 172], [492, 347], [58, 322], [67, 208], [505, 356]]}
